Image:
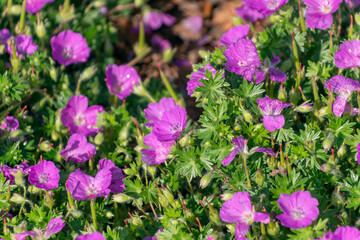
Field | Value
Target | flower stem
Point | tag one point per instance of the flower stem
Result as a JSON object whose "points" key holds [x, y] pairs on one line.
{"points": [[167, 85], [187, 178], [67, 5], [93, 213], [22, 16], [69, 197], [246, 172]]}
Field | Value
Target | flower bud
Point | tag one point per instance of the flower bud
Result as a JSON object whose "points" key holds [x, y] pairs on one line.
{"points": [[226, 196], [15, 62], [304, 108], [168, 54], [259, 178], [336, 198], [137, 222], [127, 171], [328, 141], [109, 214], [88, 73], [17, 198], [40, 30], [357, 18], [121, 198], [152, 170], [185, 140], [203, 54], [15, 10], [46, 146], [205, 180], [168, 195], [247, 116], [214, 216], [273, 228], [99, 138], [124, 133], [326, 167], [53, 73], [189, 216], [282, 95], [324, 111], [19, 178], [76, 213], [271, 163], [341, 151], [33, 190], [139, 3], [294, 96]]}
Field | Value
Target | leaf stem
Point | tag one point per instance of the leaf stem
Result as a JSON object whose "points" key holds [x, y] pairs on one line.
{"points": [[22, 16], [93, 213]]}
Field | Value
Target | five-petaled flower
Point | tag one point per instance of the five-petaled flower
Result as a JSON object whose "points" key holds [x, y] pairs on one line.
{"points": [[348, 55], [44, 175], [78, 149]]}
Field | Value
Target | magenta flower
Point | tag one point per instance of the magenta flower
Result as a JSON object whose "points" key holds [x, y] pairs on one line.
{"points": [[160, 43], [249, 14], [79, 118], [344, 87], [242, 58], [54, 226], [276, 74], [348, 56], [121, 80], [154, 20], [92, 236], [69, 47], [357, 155], [78, 149], [34, 6], [155, 235], [351, 2], [271, 109], [9, 173], [241, 148], [266, 7], [117, 185], [11, 124], [154, 111], [24, 45], [300, 209], [44, 175], [171, 125], [193, 24], [83, 186], [4, 36], [239, 210], [234, 34], [318, 14], [158, 151], [343, 233], [195, 78]]}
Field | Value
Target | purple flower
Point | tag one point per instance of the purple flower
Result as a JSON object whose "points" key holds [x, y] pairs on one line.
{"points": [[79, 118], [155, 235], [83, 186], [265, 7], [242, 58], [4, 36], [54, 226], [154, 111], [11, 124], [300, 209], [271, 109], [276, 74], [344, 87], [155, 20], [24, 45], [121, 80], [158, 151], [117, 185], [69, 47], [249, 14], [160, 43], [195, 78], [239, 210], [34, 6], [348, 55], [171, 125], [318, 14], [78, 149], [350, 3], [194, 23], [241, 148], [345, 233], [234, 34], [92, 236], [44, 175], [358, 153], [9, 172]]}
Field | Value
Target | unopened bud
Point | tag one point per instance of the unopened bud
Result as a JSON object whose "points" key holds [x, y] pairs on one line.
{"points": [[226, 196], [40, 30], [121, 198], [99, 138], [15, 10], [336, 198], [33, 190], [326, 167], [152, 170], [185, 140], [168, 195], [294, 96], [19, 178], [163, 201], [17, 198], [341, 151], [304, 108], [46, 146], [282, 95], [137, 222], [357, 18], [205, 180], [109, 214], [88, 73], [271, 163], [203, 54], [53, 73], [328, 141], [324, 111], [273, 228], [247, 116], [76, 213], [259, 178]]}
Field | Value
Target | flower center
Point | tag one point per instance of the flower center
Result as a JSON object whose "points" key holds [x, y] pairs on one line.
{"points": [[79, 120], [297, 213], [91, 190], [67, 53], [326, 7], [242, 63], [272, 4], [175, 128], [248, 217], [43, 178]]}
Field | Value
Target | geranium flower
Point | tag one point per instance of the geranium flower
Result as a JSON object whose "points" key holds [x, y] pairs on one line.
{"points": [[344, 87], [54, 226], [11, 124], [154, 20], [78, 149], [300, 209], [266, 7], [34, 6], [357, 155], [117, 185], [83, 186], [249, 14], [155, 235], [241, 148], [69, 47], [80, 118], [171, 125], [242, 58], [44, 175], [9, 173], [4, 36], [24, 45], [154, 111], [348, 56], [318, 14], [271, 109], [158, 151], [160, 43], [351, 2], [342, 233], [239, 210], [193, 23], [276, 75], [121, 80], [92, 236], [234, 34], [195, 77]]}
